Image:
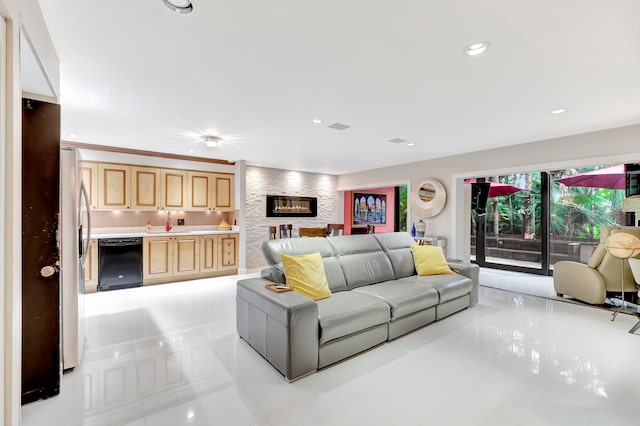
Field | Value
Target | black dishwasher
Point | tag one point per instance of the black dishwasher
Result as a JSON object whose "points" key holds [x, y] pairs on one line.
{"points": [[120, 263]]}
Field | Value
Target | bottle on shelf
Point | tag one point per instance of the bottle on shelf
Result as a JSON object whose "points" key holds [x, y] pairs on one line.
{"points": [[413, 229], [168, 224]]}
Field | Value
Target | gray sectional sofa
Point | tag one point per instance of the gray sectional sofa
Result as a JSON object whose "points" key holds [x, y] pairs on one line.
{"points": [[377, 297]]}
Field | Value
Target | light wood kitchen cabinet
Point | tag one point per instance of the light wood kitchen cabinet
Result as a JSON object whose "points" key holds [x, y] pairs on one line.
{"points": [[157, 260], [219, 252], [89, 173], [114, 187], [146, 190], [200, 191], [91, 268], [131, 187], [209, 253], [168, 256], [228, 251], [174, 189], [224, 192], [186, 255], [210, 191]]}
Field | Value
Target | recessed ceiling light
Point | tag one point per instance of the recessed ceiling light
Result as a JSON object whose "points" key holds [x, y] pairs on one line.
{"points": [[476, 48], [317, 121], [212, 141], [191, 151], [559, 111], [73, 136], [182, 7], [411, 144]]}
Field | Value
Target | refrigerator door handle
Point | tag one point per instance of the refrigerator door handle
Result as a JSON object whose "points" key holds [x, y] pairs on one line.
{"points": [[84, 244]]}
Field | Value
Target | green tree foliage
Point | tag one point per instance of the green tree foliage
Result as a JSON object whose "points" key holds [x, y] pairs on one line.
{"points": [[576, 212], [403, 208]]}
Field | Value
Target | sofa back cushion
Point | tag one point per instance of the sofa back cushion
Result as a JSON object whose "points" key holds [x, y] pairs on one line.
{"points": [[397, 246], [362, 259], [272, 249]]}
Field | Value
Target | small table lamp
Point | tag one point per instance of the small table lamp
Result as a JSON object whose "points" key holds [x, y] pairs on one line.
{"points": [[622, 246]]}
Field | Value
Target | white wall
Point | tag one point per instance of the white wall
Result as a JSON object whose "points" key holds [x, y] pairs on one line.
{"points": [[261, 182], [611, 146]]}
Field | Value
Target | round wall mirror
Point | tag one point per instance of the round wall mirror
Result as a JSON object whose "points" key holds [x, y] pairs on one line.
{"points": [[431, 196]]}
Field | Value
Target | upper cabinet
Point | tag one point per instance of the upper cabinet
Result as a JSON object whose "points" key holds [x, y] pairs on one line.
{"points": [[89, 172], [145, 188], [174, 189], [114, 187], [199, 188], [210, 191], [129, 187], [223, 199]]}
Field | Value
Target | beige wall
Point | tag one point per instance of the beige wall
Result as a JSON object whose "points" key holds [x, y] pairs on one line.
{"points": [[17, 14], [611, 146]]}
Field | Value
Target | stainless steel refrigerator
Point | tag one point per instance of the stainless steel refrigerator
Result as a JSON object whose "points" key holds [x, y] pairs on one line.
{"points": [[75, 228]]}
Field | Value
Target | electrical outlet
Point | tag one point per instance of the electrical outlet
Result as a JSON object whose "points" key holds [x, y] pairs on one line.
{"points": [[429, 224], [180, 222]]}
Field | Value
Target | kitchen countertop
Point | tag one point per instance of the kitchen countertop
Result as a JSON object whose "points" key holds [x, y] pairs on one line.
{"points": [[159, 231]]}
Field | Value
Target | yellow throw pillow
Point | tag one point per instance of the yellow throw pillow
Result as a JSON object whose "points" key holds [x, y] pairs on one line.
{"points": [[429, 260], [305, 274]]}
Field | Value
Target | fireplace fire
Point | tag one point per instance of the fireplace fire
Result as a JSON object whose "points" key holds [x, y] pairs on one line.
{"points": [[290, 206]]}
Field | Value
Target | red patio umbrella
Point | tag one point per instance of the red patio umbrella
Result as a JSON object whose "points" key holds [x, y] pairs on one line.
{"points": [[497, 189], [611, 177]]}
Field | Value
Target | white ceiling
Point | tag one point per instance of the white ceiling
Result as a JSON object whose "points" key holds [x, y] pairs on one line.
{"points": [[136, 75]]}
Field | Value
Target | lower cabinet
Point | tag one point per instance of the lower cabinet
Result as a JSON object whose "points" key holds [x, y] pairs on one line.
{"points": [[228, 257], [91, 268], [168, 258], [186, 255]]}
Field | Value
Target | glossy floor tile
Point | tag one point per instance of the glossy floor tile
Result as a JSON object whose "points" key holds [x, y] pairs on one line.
{"points": [[169, 355]]}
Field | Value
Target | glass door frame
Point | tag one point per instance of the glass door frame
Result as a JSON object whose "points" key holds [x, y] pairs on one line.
{"points": [[481, 222]]}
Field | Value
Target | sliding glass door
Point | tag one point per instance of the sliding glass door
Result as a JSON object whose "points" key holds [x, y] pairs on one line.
{"points": [[512, 229], [535, 219]]}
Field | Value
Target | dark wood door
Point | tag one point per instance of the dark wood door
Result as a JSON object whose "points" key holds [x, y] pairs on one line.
{"points": [[40, 207]]}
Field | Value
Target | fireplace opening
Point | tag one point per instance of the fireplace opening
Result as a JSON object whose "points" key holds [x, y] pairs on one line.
{"points": [[291, 206]]}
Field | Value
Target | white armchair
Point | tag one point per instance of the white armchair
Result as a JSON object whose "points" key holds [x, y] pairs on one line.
{"points": [[591, 282]]}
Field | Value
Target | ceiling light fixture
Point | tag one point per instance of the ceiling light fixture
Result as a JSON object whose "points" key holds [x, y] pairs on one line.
{"points": [[559, 111], [411, 144], [182, 7], [317, 121], [211, 141], [476, 48]]}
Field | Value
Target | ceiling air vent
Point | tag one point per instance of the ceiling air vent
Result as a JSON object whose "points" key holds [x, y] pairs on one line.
{"points": [[397, 140], [339, 126]]}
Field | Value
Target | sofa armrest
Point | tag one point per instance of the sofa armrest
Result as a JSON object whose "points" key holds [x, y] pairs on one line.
{"points": [[579, 281], [282, 327], [471, 271]]}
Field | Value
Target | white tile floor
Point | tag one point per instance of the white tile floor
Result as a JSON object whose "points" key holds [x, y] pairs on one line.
{"points": [[169, 355]]}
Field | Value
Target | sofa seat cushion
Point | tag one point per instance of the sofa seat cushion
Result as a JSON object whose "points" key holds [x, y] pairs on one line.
{"points": [[404, 297], [348, 312], [448, 286]]}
